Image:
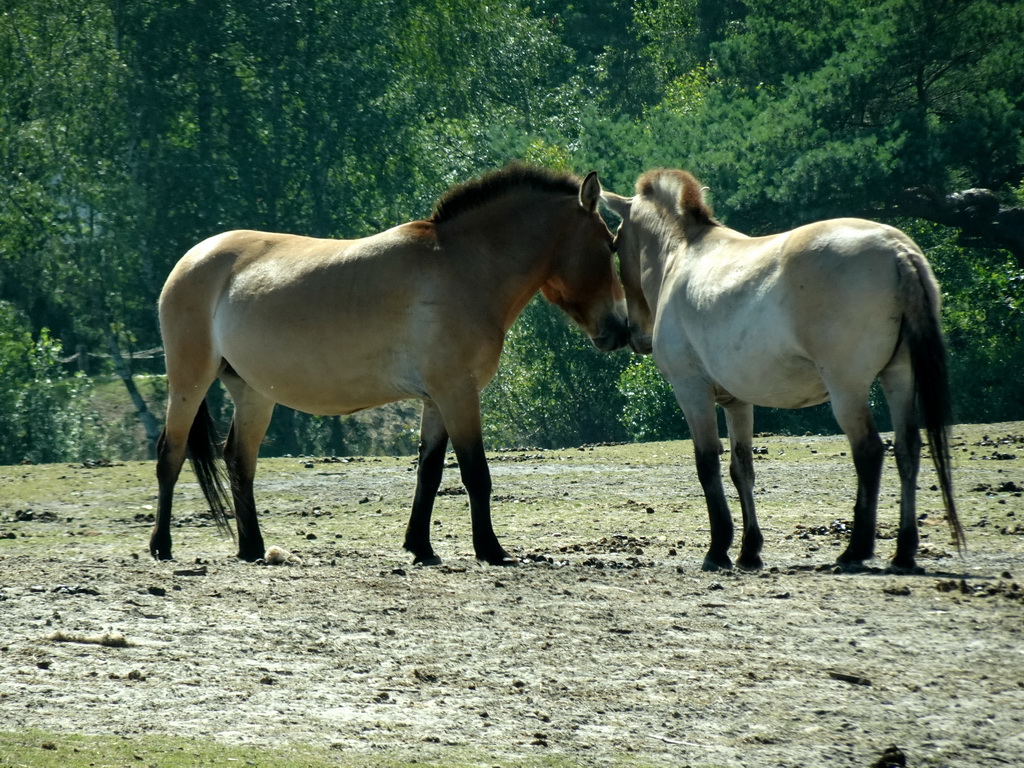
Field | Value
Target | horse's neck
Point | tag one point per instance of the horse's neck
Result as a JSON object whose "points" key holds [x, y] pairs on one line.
{"points": [[672, 251], [507, 255], [659, 252], [505, 248]]}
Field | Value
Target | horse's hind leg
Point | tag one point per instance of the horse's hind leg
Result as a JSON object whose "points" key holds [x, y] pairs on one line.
{"points": [[851, 410], [898, 383], [740, 420], [186, 390], [170, 456], [248, 426], [433, 444]]}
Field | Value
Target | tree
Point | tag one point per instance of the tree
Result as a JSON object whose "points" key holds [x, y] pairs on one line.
{"points": [[893, 108], [553, 389], [45, 415]]}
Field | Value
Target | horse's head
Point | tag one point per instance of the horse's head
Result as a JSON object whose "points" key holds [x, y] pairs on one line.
{"points": [[583, 281], [641, 318]]}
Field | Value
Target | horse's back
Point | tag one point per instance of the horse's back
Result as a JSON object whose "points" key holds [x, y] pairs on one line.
{"points": [[324, 326], [847, 267], [822, 296]]}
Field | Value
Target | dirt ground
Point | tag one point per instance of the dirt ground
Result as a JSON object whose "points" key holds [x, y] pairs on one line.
{"points": [[607, 645]]}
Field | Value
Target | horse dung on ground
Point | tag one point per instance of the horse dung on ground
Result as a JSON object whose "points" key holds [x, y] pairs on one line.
{"points": [[787, 321], [331, 327]]}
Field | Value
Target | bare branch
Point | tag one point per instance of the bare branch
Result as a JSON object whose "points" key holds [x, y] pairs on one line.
{"points": [[982, 220]]}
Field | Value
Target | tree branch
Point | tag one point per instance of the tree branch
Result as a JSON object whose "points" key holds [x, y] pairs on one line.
{"points": [[982, 220]]}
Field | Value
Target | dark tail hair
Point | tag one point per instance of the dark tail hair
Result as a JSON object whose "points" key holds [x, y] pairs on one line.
{"points": [[203, 452], [931, 380]]}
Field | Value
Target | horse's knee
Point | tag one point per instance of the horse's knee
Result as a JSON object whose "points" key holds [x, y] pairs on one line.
{"points": [[741, 464], [868, 454], [709, 468]]}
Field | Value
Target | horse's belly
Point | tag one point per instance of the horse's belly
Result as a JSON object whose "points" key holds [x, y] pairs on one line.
{"points": [[324, 381], [791, 382]]}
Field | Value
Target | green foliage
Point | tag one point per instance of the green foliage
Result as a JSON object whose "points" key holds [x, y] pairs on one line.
{"points": [[983, 314], [868, 105], [553, 388], [45, 415], [130, 131], [651, 411]]}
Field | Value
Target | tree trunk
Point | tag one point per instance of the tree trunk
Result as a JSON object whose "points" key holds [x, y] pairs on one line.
{"points": [[149, 422]]}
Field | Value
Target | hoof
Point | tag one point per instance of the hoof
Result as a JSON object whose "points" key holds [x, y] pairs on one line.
{"points": [[753, 563], [713, 564], [853, 562], [160, 547], [427, 561], [502, 558], [851, 566], [905, 569], [249, 557]]}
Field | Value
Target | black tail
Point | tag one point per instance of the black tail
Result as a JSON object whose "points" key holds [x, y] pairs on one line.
{"points": [[203, 451], [931, 379]]}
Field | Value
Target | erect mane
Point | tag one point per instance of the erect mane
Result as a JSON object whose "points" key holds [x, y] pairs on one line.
{"points": [[678, 192], [471, 194]]}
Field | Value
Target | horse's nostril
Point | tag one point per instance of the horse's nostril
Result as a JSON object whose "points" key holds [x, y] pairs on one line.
{"points": [[613, 334]]}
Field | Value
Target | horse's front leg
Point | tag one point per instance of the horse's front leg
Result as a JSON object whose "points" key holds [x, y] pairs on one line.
{"points": [[462, 417], [477, 478], [433, 444], [707, 450], [740, 420]]}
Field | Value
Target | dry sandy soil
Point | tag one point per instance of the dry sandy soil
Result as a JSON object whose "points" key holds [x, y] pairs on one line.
{"points": [[607, 645]]}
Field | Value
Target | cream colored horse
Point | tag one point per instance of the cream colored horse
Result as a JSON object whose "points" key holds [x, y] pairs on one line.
{"points": [[336, 326], [787, 321]]}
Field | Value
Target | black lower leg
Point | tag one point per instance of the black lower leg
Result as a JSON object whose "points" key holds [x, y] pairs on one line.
{"points": [[241, 474], [428, 480], [868, 455], [741, 470], [908, 457], [167, 471], [477, 479], [709, 474]]}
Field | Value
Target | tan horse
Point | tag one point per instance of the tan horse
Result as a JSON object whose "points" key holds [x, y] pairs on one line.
{"points": [[787, 321], [336, 326]]}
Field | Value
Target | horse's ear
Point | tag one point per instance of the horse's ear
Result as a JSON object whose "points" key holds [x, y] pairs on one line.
{"points": [[617, 204], [590, 192]]}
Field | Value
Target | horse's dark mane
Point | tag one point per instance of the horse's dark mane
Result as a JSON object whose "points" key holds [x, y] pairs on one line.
{"points": [[678, 191], [471, 194]]}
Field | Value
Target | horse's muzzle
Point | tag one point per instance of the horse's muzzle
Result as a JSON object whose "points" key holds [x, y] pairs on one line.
{"points": [[613, 334], [641, 342]]}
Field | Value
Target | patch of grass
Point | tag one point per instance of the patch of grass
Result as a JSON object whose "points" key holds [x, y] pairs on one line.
{"points": [[542, 499], [45, 749]]}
